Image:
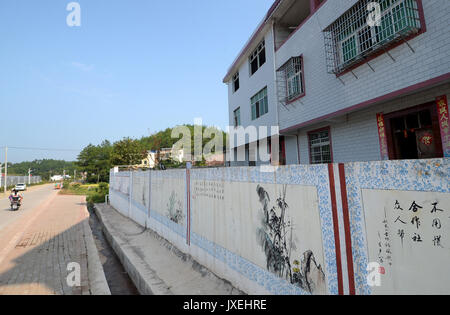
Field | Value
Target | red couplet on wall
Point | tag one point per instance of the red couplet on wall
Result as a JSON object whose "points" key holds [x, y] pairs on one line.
{"points": [[442, 107], [382, 135]]}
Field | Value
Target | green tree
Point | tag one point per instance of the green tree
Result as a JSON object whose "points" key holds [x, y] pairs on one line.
{"points": [[96, 162], [44, 168], [127, 152], [163, 139]]}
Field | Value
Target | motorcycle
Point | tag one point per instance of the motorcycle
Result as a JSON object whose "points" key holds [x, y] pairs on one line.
{"points": [[15, 203]]}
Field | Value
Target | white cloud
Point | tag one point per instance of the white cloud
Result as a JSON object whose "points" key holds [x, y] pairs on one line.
{"points": [[82, 66]]}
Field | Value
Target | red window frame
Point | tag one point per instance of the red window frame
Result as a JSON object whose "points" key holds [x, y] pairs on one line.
{"points": [[327, 128]]}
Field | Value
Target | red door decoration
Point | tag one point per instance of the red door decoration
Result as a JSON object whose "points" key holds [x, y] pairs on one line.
{"points": [[443, 114], [382, 135]]}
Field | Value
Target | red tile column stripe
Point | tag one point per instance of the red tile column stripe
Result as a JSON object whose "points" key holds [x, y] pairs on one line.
{"points": [[336, 229], [348, 235]]}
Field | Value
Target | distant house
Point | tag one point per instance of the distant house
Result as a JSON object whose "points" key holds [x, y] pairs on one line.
{"points": [[56, 178], [165, 154], [172, 154], [150, 160]]}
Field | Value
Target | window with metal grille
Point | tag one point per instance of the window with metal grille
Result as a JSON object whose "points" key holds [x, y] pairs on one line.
{"points": [[257, 58], [237, 117], [259, 104], [320, 147], [351, 39], [293, 73], [236, 82]]}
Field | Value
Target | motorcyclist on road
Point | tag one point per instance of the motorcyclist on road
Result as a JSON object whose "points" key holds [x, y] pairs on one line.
{"points": [[15, 193]]}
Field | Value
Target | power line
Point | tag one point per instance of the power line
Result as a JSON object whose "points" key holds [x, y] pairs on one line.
{"points": [[42, 149]]}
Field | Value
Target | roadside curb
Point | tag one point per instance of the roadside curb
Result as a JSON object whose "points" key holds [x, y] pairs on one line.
{"points": [[97, 279], [150, 284]]}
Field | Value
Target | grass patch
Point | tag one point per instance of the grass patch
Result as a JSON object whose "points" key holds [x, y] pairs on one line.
{"points": [[95, 193]]}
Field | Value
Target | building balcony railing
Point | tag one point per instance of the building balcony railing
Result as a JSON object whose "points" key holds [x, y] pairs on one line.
{"points": [[354, 36]]}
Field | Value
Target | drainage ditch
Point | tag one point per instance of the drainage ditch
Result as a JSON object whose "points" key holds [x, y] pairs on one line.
{"points": [[118, 280]]}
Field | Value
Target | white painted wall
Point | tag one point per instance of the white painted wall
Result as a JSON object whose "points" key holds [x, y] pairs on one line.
{"points": [[356, 137], [250, 85], [325, 94], [223, 231]]}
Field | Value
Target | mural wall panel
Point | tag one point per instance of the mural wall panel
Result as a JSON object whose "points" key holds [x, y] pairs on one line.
{"points": [[279, 223], [277, 227], [304, 229], [168, 195], [400, 218], [140, 190], [123, 183], [409, 232]]}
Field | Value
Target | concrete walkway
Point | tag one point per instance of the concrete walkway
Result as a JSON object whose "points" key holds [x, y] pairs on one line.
{"points": [[37, 248], [155, 265]]}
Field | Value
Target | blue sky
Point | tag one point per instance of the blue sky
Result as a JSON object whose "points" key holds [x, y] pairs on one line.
{"points": [[133, 67]]}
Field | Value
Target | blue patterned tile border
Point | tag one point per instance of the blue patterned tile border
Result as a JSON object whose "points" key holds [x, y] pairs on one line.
{"points": [[120, 194], [303, 175], [264, 278], [140, 207], [173, 173], [176, 228], [414, 175], [121, 174]]}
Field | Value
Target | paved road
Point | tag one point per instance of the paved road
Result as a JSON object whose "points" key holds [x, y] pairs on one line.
{"points": [[39, 241], [33, 198]]}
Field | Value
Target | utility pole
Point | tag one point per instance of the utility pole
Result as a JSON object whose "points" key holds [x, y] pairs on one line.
{"points": [[29, 176], [6, 169]]}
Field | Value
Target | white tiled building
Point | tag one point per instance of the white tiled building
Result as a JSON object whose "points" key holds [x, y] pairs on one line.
{"points": [[342, 87]]}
